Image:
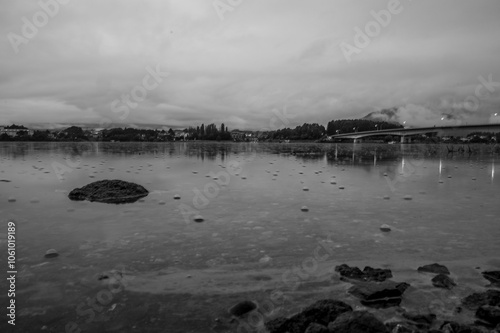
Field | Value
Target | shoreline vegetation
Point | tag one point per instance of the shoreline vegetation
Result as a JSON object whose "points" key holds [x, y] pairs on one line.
{"points": [[304, 133]]}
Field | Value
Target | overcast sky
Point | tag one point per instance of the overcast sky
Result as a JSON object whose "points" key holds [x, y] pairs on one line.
{"points": [[251, 64]]}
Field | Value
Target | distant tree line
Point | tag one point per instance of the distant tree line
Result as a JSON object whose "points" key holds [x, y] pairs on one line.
{"points": [[357, 125], [304, 132]]}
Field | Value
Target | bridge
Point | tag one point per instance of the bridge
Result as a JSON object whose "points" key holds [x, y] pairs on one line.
{"points": [[406, 133]]}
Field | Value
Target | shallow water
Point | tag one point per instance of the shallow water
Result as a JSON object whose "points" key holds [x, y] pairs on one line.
{"points": [[255, 241]]}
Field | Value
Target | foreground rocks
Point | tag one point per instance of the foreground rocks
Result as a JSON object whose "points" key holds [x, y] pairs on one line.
{"points": [[434, 268], [486, 305], [333, 316], [357, 322], [242, 308], [379, 295], [321, 313], [109, 191], [368, 273], [493, 277], [443, 281]]}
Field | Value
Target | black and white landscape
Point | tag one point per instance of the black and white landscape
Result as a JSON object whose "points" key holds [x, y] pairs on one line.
{"points": [[250, 166]]}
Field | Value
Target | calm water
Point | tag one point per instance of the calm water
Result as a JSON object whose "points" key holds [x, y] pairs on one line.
{"points": [[255, 243]]}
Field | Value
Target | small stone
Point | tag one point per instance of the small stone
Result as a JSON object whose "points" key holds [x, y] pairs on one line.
{"points": [[333, 182], [198, 218], [385, 174], [386, 197], [242, 308], [385, 228], [12, 199], [305, 188], [440, 182], [162, 202], [195, 172], [51, 253], [434, 268], [449, 176], [407, 197], [443, 281], [304, 208], [341, 187], [177, 197]]}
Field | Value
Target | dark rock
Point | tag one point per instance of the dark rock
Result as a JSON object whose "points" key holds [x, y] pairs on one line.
{"points": [[443, 281], [357, 322], [277, 325], [385, 228], [434, 268], [368, 273], [454, 327], [493, 277], [476, 300], [400, 327], [109, 191], [379, 295], [421, 320], [51, 253], [321, 312], [490, 314], [242, 308], [317, 328], [198, 218]]}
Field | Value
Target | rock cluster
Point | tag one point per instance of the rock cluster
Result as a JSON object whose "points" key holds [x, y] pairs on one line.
{"points": [[109, 191], [367, 274], [372, 287]]}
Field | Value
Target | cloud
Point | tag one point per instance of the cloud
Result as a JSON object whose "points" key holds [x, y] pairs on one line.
{"points": [[263, 56]]}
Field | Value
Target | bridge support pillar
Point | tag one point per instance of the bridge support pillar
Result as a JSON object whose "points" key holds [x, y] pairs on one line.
{"points": [[402, 139], [355, 140]]}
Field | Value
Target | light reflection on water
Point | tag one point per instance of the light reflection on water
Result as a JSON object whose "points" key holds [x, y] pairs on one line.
{"points": [[252, 210]]}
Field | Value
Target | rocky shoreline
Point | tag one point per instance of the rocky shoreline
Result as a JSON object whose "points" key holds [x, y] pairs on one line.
{"points": [[375, 291]]}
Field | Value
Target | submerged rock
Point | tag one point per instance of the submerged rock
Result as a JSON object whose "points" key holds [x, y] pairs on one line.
{"points": [[198, 218], [434, 268], [357, 322], [51, 253], [493, 277], [368, 273], [379, 295], [476, 300], [490, 314], [385, 227], [321, 312], [109, 191], [317, 328], [242, 308], [443, 281]]}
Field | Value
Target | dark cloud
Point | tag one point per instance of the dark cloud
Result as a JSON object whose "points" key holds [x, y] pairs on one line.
{"points": [[263, 58]]}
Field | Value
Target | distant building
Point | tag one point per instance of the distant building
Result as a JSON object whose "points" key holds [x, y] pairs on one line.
{"points": [[12, 132], [237, 135]]}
